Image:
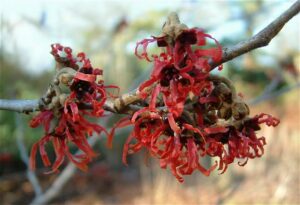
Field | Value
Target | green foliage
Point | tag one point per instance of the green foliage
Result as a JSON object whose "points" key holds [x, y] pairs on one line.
{"points": [[16, 84]]}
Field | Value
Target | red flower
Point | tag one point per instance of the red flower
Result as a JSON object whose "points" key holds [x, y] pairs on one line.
{"points": [[179, 70], [176, 143], [182, 121], [240, 143], [64, 121]]}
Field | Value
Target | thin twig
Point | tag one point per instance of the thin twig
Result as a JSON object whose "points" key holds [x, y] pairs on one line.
{"points": [[262, 38], [19, 105], [116, 105]]}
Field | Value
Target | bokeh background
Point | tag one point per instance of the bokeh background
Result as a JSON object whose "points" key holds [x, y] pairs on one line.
{"points": [[107, 31]]}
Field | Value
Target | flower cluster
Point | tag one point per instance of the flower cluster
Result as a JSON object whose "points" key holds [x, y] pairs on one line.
{"points": [[182, 113], [77, 91], [191, 114]]}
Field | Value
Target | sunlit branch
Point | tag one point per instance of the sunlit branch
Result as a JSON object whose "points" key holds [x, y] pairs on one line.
{"points": [[262, 38]]}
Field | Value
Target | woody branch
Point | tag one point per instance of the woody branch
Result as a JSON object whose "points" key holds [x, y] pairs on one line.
{"points": [[125, 103]]}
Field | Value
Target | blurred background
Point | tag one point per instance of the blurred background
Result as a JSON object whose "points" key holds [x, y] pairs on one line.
{"points": [[107, 32]]}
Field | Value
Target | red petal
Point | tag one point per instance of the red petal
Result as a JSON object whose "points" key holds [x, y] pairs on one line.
{"points": [[210, 99], [43, 152], [43, 117], [190, 127], [121, 123], [175, 173], [85, 77], [215, 130], [145, 84], [85, 147], [82, 165], [125, 149], [154, 95], [32, 159], [74, 109], [137, 113], [207, 172], [158, 66], [144, 54], [173, 124], [268, 119], [59, 151]]}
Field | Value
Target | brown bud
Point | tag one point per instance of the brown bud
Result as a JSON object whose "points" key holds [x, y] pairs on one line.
{"points": [[62, 99], [49, 91], [223, 92], [65, 78], [211, 117], [214, 105], [240, 110], [225, 112], [56, 81], [46, 100], [55, 101]]}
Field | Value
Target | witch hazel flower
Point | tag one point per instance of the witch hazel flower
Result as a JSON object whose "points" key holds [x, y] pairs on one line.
{"points": [[181, 63], [190, 113], [179, 150], [76, 92], [176, 143], [239, 141]]}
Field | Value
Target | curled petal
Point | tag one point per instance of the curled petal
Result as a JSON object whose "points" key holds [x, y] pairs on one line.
{"points": [[81, 164], [145, 84], [173, 124], [268, 119], [144, 43], [196, 130], [32, 159], [215, 130], [244, 163], [44, 118], [125, 149], [85, 147], [85, 77], [59, 151], [154, 95], [137, 113], [74, 109], [43, 152], [210, 99], [121, 123], [176, 174]]}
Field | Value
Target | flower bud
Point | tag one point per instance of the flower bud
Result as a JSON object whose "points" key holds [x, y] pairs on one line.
{"points": [[56, 81], [65, 78], [225, 112], [62, 98], [240, 110], [223, 92]]}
